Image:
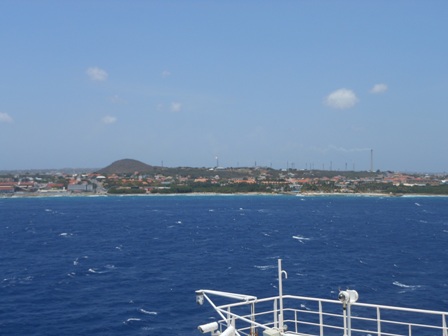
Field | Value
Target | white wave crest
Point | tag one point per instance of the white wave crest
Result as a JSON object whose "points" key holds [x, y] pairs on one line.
{"points": [[265, 267], [304, 306], [301, 238], [148, 312], [17, 280], [105, 269], [66, 234], [132, 319], [399, 284], [402, 285]]}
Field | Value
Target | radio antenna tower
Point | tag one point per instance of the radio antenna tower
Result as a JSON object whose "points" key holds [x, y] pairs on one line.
{"points": [[371, 160]]}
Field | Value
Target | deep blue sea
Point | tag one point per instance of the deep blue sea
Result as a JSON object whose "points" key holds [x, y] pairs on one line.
{"points": [[131, 265]]}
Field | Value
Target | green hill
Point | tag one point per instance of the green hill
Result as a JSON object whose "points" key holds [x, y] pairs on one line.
{"points": [[126, 166]]}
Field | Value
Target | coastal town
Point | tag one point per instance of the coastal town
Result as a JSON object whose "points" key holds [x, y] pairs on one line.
{"points": [[132, 177]]}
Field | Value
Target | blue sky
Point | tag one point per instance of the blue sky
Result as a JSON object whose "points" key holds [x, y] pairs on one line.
{"points": [[280, 83]]}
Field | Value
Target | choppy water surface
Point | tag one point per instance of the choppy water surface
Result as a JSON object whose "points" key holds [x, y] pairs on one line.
{"points": [[130, 265]]}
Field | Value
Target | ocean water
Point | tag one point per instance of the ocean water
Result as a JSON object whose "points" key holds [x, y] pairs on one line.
{"points": [[131, 265]]}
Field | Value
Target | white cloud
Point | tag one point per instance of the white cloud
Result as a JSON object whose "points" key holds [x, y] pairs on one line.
{"points": [[379, 88], [175, 107], [166, 73], [96, 74], [109, 120], [341, 99], [5, 117]]}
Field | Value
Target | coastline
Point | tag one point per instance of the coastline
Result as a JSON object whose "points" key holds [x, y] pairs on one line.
{"points": [[307, 194]]}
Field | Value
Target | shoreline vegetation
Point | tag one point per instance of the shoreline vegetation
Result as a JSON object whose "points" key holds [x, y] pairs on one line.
{"points": [[339, 186], [193, 194]]}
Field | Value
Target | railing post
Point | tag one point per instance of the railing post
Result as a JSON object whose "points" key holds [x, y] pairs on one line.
{"points": [[296, 323], [347, 298], [349, 319], [378, 321], [229, 316], [344, 316], [280, 293], [275, 314], [445, 331], [321, 319], [252, 318]]}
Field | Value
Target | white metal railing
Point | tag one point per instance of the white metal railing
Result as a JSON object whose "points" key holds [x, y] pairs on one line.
{"points": [[307, 316], [313, 316]]}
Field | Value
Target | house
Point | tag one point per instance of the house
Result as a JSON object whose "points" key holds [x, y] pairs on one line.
{"points": [[6, 189], [80, 187]]}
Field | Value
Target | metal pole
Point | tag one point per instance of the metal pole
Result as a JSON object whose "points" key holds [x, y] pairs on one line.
{"points": [[378, 321], [295, 321], [280, 294], [349, 320], [344, 310], [321, 319], [445, 332], [252, 317], [275, 314]]}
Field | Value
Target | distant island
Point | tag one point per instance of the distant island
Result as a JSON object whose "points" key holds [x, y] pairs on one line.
{"points": [[133, 177]]}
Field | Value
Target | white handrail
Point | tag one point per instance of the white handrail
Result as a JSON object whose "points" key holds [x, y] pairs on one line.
{"points": [[346, 315], [328, 319], [227, 294]]}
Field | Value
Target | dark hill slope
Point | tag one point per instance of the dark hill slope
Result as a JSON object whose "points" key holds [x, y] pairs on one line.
{"points": [[126, 166], [129, 166]]}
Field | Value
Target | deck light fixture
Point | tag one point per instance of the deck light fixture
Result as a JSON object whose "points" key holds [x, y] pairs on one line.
{"points": [[348, 296], [199, 298], [209, 327]]}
